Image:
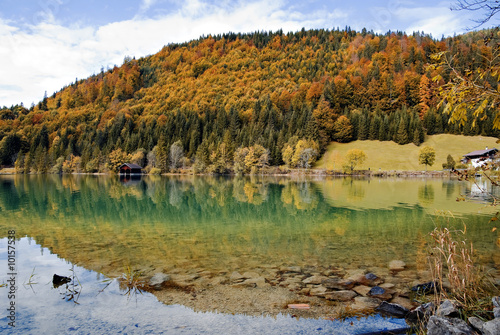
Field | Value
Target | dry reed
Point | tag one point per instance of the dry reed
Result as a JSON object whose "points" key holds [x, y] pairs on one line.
{"points": [[456, 276]]}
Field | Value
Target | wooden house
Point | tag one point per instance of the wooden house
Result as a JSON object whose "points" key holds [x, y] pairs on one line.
{"points": [[480, 157], [130, 168]]}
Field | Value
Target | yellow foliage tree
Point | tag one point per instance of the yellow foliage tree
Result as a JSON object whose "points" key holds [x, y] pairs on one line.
{"points": [[354, 158], [116, 158], [427, 156]]}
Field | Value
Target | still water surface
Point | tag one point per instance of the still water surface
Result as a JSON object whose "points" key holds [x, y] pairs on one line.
{"points": [[100, 226]]}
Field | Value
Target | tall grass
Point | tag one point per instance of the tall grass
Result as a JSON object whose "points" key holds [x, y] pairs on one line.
{"points": [[456, 275]]}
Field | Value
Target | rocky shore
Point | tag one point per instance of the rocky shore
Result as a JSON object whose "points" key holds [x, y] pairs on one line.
{"points": [[302, 291], [316, 292]]}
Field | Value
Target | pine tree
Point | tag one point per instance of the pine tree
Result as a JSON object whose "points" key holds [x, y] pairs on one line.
{"points": [[162, 154], [416, 137], [402, 134], [374, 128], [363, 128]]}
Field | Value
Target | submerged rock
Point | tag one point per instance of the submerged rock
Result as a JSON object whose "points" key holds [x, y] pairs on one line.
{"points": [[345, 295], [59, 280], [379, 292], [294, 269], [338, 283], [251, 275], [397, 265], [236, 277], [425, 288], [158, 280], [318, 291], [370, 279], [362, 290], [315, 280], [406, 303], [365, 304], [394, 310]]}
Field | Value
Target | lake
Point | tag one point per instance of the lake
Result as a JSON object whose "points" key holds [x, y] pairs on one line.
{"points": [[213, 227]]}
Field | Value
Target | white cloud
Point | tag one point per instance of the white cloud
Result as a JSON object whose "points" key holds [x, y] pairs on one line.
{"points": [[48, 56], [439, 20]]}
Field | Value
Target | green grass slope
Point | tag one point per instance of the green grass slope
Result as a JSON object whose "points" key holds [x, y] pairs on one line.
{"points": [[388, 156]]}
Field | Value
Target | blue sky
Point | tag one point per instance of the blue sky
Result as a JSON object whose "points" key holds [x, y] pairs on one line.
{"points": [[46, 44]]}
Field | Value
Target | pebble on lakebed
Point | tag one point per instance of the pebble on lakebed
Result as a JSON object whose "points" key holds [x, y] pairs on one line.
{"points": [[271, 290]]}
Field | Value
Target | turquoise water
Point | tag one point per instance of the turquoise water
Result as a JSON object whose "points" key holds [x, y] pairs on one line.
{"points": [[99, 226], [91, 304]]}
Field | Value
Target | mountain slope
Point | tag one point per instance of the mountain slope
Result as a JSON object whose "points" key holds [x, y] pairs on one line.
{"points": [[216, 94]]}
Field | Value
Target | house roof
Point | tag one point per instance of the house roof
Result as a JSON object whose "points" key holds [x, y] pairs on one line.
{"points": [[130, 165], [480, 153]]}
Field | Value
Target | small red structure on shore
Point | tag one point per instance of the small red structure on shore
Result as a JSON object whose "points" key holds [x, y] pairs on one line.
{"points": [[130, 168]]}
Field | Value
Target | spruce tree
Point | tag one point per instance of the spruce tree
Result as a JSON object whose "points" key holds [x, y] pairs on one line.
{"points": [[162, 154], [416, 137], [363, 128], [402, 135]]}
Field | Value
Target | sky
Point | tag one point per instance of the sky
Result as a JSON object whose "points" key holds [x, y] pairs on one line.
{"points": [[47, 44]]}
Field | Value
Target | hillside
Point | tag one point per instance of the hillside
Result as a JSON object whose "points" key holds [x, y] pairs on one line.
{"points": [[389, 156], [242, 102]]}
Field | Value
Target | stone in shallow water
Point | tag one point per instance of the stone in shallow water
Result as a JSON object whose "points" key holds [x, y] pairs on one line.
{"points": [[355, 274], [338, 283], [158, 279], [295, 269], [370, 279], [425, 288], [377, 290], [316, 280], [394, 310], [365, 303], [345, 295], [60, 280], [299, 306], [380, 293], [250, 274], [318, 291], [387, 286], [362, 290], [406, 303], [397, 265], [236, 277], [258, 282]]}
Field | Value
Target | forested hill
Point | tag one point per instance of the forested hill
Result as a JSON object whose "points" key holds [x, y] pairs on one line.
{"points": [[241, 101]]}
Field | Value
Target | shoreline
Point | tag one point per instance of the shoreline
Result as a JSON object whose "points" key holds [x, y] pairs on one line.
{"points": [[291, 173]]}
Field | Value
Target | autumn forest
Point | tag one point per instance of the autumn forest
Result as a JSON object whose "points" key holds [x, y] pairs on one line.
{"points": [[243, 102]]}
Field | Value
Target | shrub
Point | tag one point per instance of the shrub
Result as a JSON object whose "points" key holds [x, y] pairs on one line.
{"points": [[154, 171]]}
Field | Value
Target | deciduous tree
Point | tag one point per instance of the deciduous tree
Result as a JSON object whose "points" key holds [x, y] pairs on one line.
{"points": [[354, 158], [427, 156]]}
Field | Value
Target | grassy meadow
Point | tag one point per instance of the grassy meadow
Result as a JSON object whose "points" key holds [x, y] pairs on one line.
{"points": [[388, 156]]}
